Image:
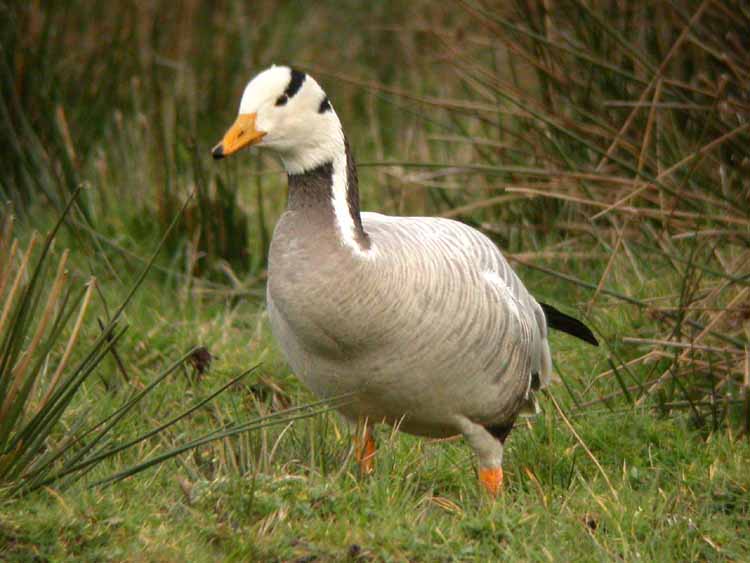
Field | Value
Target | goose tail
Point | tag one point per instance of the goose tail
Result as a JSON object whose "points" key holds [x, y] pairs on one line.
{"points": [[565, 323]]}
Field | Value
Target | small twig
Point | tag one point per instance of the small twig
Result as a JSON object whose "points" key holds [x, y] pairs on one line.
{"points": [[673, 344]]}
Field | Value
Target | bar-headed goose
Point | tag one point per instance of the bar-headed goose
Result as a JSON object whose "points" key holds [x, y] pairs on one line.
{"points": [[421, 319]]}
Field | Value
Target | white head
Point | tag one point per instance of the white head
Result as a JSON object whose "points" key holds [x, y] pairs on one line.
{"points": [[287, 111]]}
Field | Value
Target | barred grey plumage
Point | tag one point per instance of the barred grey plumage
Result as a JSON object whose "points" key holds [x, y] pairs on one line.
{"points": [[435, 327]]}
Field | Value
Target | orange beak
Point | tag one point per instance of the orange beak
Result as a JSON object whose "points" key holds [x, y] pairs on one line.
{"points": [[241, 134]]}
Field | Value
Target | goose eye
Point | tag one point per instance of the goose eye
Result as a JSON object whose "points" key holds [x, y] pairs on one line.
{"points": [[282, 100]]}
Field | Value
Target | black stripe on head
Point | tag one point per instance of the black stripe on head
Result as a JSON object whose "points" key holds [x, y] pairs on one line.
{"points": [[295, 83], [325, 105]]}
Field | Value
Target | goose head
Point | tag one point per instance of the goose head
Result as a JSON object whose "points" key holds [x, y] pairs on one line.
{"points": [[287, 111]]}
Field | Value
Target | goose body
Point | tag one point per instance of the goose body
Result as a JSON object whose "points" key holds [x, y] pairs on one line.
{"points": [[421, 320], [432, 331]]}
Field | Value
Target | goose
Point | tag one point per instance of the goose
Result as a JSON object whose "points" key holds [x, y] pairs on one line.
{"points": [[421, 320]]}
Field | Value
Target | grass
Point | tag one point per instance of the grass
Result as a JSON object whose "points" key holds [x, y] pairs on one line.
{"points": [[293, 493], [604, 157], [681, 493]]}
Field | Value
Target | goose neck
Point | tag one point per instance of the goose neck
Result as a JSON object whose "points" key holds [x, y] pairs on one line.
{"points": [[330, 192]]}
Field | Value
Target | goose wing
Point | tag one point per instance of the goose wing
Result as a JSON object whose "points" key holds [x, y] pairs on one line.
{"points": [[460, 264]]}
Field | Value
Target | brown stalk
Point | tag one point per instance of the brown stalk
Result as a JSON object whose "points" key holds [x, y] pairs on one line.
{"points": [[687, 345], [644, 147], [657, 76], [654, 213], [684, 356], [481, 204], [641, 359], [621, 229], [52, 300], [702, 151], [62, 123], [71, 341], [5, 266], [5, 240], [608, 267], [548, 255], [9, 300]]}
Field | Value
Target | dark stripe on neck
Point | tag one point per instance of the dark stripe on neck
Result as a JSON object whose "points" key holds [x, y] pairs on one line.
{"points": [[311, 193], [295, 83], [352, 198]]}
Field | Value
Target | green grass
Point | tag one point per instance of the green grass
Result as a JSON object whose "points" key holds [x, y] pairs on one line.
{"points": [[681, 491], [449, 104], [680, 495]]}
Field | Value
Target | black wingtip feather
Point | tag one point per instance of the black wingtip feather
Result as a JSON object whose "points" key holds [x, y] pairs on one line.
{"points": [[566, 323]]}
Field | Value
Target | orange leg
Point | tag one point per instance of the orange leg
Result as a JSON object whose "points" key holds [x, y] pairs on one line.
{"points": [[365, 449], [492, 479]]}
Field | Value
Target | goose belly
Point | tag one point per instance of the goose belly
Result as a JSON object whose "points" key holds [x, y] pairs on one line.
{"points": [[424, 389]]}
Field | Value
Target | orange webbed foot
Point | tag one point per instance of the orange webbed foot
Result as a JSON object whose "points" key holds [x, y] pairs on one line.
{"points": [[365, 449], [492, 479]]}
